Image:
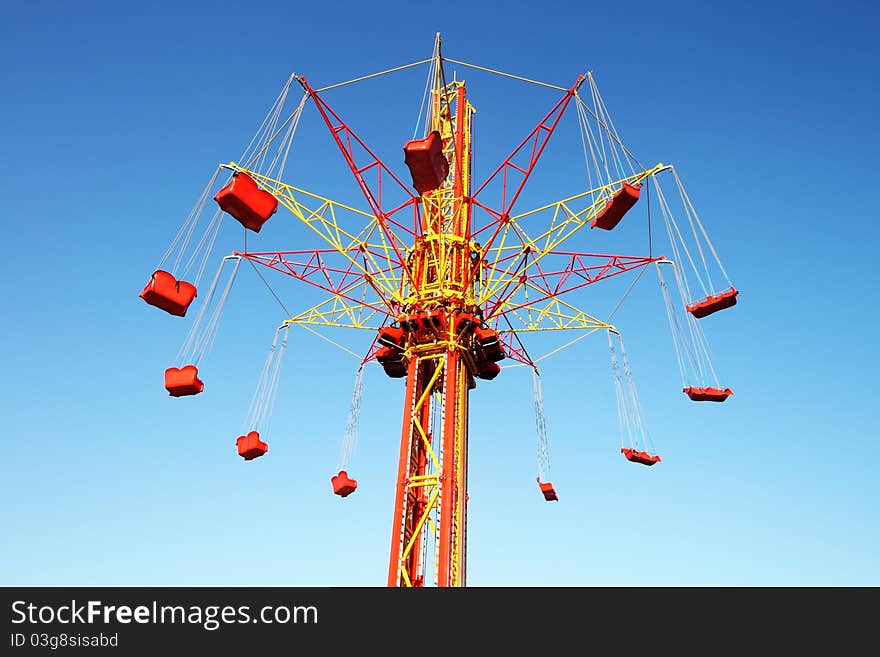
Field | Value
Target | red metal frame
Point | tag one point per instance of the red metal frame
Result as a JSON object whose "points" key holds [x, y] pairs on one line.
{"points": [[309, 265], [539, 137], [346, 144], [552, 283], [537, 147]]}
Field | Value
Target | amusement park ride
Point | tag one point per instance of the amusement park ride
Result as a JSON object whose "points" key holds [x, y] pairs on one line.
{"points": [[447, 276]]}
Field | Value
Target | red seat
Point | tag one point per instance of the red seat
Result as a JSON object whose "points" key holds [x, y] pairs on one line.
{"points": [[416, 321], [409, 323], [548, 491], [250, 205], [183, 381], [488, 370], [433, 320], [166, 292], [617, 206], [640, 457], [708, 393], [392, 361], [390, 336], [464, 322], [427, 164], [485, 335], [389, 354], [250, 446], [395, 369], [343, 485], [713, 303], [489, 344]]}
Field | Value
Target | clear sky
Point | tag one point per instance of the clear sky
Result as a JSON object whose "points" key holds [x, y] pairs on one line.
{"points": [[115, 114]]}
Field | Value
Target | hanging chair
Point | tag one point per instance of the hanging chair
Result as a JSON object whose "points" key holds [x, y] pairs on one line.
{"points": [[165, 290], [701, 256], [427, 164], [489, 344], [247, 203], [698, 377], [167, 293], [713, 303], [629, 410], [488, 370], [618, 205], [546, 488], [639, 457], [707, 393], [548, 491], [183, 381], [393, 361], [250, 446], [343, 485]]}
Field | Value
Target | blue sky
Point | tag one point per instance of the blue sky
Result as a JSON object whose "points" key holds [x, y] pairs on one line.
{"points": [[114, 117]]}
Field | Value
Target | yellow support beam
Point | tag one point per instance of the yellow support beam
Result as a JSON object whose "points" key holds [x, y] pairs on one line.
{"points": [[565, 222], [321, 216]]}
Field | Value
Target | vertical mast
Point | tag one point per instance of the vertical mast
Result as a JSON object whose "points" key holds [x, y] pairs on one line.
{"points": [[430, 519]]}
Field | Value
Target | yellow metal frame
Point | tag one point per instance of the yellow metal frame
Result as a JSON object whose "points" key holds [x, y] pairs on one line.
{"points": [[429, 480], [383, 279], [341, 312], [565, 221], [322, 217]]}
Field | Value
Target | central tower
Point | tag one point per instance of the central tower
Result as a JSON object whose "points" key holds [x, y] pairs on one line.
{"points": [[442, 353]]}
